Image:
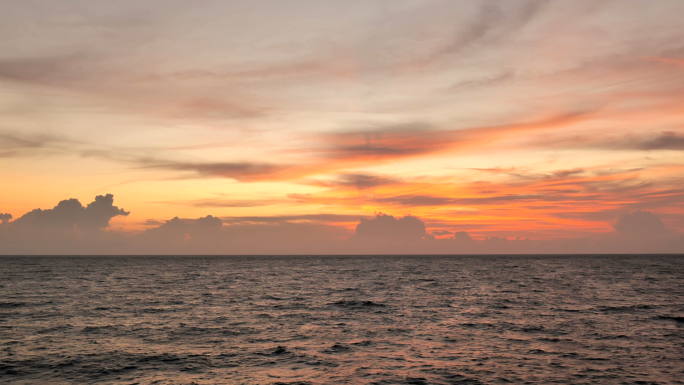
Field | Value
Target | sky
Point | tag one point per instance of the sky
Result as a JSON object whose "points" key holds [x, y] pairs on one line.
{"points": [[339, 127]]}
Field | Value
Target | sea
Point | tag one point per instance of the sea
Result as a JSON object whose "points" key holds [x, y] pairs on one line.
{"points": [[611, 319]]}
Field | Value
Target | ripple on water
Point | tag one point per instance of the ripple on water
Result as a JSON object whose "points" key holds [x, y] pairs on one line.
{"points": [[346, 320]]}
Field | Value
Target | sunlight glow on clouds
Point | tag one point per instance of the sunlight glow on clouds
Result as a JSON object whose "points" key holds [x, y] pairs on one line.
{"points": [[546, 120]]}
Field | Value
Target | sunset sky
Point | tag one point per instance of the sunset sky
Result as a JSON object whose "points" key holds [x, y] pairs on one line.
{"points": [[545, 120]]}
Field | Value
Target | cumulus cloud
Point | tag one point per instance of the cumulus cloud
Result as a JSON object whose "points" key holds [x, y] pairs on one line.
{"points": [[68, 228], [387, 227], [385, 234], [496, 241], [71, 228], [244, 235], [179, 229], [462, 236], [70, 214], [640, 223], [440, 233], [204, 235]]}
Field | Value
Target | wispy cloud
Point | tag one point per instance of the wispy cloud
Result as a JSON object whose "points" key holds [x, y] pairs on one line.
{"points": [[243, 171], [223, 203]]}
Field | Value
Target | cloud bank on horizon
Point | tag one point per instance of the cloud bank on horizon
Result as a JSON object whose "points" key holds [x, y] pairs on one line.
{"points": [[70, 228], [285, 127]]}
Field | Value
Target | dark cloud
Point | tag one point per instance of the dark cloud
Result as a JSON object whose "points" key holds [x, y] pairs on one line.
{"points": [[174, 229], [462, 236], [60, 230], [428, 200], [419, 200], [68, 228], [639, 224], [387, 227], [208, 222], [178, 229], [440, 233], [495, 241], [98, 213], [242, 171], [333, 152], [358, 181], [338, 150], [5, 218], [418, 138], [387, 142], [665, 141], [40, 69], [526, 175], [416, 200], [315, 218], [152, 222], [70, 214], [597, 216]]}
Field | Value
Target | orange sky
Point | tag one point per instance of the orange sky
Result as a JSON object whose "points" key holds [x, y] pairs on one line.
{"points": [[534, 119]]}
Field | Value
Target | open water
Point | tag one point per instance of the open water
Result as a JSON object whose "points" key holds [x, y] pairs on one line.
{"points": [[342, 320]]}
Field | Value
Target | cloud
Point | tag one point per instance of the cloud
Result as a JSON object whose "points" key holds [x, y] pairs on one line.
{"points": [[203, 203], [417, 200], [40, 69], [425, 200], [5, 218], [490, 25], [330, 152], [285, 237], [665, 141], [387, 142], [387, 227], [339, 150], [462, 236], [204, 235], [208, 222], [678, 62], [310, 218], [440, 233], [70, 228], [242, 171], [177, 229], [243, 235], [640, 224], [420, 138], [16, 145], [489, 81], [70, 214], [359, 181]]}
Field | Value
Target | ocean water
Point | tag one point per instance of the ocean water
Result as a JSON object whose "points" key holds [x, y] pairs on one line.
{"points": [[342, 320]]}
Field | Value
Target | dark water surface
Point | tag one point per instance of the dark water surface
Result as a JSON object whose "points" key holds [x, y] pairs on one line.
{"points": [[342, 320]]}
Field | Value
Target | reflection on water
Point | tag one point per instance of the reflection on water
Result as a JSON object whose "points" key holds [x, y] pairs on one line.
{"points": [[355, 320]]}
